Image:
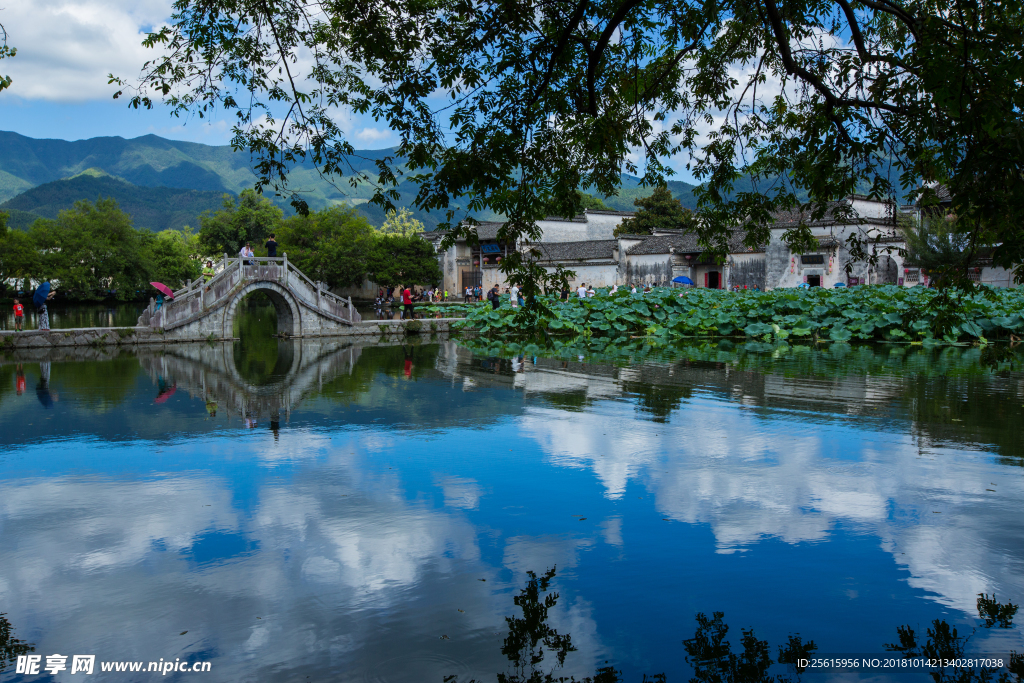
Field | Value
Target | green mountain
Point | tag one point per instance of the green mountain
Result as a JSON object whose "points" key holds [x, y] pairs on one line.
{"points": [[153, 162], [155, 208]]}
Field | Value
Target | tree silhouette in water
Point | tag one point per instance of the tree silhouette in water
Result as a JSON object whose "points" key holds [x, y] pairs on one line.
{"points": [[532, 645], [713, 661], [10, 647], [531, 640]]}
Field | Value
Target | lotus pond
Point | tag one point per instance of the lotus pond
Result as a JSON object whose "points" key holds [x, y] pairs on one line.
{"points": [[868, 313], [313, 510]]}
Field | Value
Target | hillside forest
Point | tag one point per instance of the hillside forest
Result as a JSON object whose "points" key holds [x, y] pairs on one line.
{"points": [[94, 251]]}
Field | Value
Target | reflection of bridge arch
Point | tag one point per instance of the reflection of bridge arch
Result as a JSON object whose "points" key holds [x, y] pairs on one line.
{"points": [[289, 313], [210, 371]]}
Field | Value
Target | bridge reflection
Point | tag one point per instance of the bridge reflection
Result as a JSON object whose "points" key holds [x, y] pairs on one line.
{"points": [[211, 372]]}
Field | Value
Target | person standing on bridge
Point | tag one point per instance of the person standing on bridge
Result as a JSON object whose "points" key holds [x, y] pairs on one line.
{"points": [[272, 246]]}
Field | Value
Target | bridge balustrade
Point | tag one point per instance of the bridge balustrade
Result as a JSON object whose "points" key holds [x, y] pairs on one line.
{"points": [[199, 296]]}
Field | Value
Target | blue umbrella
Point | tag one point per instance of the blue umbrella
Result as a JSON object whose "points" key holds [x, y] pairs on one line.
{"points": [[839, 284], [42, 291], [683, 280]]}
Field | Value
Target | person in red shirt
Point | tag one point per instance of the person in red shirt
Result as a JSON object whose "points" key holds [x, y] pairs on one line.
{"points": [[19, 380], [19, 316], [407, 303]]}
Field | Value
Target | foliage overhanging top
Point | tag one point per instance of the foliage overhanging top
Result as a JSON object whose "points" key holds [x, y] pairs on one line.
{"points": [[511, 106]]}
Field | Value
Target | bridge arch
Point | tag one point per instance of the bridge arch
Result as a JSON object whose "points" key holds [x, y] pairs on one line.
{"points": [[289, 313]]}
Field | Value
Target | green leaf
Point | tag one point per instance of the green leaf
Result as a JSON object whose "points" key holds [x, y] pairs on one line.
{"points": [[840, 334]]}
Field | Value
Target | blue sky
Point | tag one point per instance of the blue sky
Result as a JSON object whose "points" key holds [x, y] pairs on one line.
{"points": [[66, 48]]}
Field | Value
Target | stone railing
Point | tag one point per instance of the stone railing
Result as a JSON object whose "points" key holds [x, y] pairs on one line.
{"points": [[199, 296]]}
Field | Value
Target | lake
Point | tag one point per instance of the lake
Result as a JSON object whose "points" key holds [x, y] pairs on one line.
{"points": [[319, 511], [65, 316]]}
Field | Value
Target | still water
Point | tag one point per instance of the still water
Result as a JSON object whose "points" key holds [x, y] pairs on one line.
{"points": [[65, 316], [307, 511]]}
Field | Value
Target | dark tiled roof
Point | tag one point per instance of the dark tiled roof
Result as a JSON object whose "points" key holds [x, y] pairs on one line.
{"points": [[836, 213], [488, 230], [686, 243], [941, 193], [575, 219], [833, 214], [610, 212], [485, 230], [576, 251]]}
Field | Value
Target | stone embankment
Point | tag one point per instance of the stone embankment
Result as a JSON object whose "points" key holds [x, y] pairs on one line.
{"points": [[132, 336]]}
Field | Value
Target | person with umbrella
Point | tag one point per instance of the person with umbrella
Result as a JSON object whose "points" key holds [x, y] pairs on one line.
{"points": [[163, 290], [43, 294]]}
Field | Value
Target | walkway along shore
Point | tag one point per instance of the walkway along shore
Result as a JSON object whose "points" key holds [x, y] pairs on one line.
{"points": [[132, 336]]}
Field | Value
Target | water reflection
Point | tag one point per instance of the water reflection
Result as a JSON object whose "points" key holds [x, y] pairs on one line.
{"points": [[393, 495], [537, 652], [10, 647]]}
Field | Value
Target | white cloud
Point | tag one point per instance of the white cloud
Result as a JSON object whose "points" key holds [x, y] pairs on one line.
{"points": [[66, 48], [372, 135]]}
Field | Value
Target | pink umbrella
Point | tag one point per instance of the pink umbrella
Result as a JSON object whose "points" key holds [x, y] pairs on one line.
{"points": [[163, 288], [166, 394]]}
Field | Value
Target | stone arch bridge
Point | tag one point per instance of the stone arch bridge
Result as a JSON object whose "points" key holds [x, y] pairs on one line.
{"points": [[207, 309]]}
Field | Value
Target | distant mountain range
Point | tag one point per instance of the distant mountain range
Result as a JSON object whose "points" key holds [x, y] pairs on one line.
{"points": [[154, 163], [154, 208], [167, 183]]}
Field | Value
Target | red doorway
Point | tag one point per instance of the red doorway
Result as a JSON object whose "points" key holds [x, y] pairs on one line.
{"points": [[712, 280]]}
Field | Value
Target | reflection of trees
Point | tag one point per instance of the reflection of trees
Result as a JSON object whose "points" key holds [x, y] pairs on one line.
{"points": [[530, 639], [658, 400], [953, 394], [100, 386], [378, 383], [713, 660], [529, 635], [10, 647]]}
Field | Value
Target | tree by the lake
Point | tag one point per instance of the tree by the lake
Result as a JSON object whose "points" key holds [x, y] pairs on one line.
{"points": [[93, 251], [174, 256], [659, 211], [939, 246], [505, 105], [19, 258], [332, 246], [403, 260], [250, 218]]}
